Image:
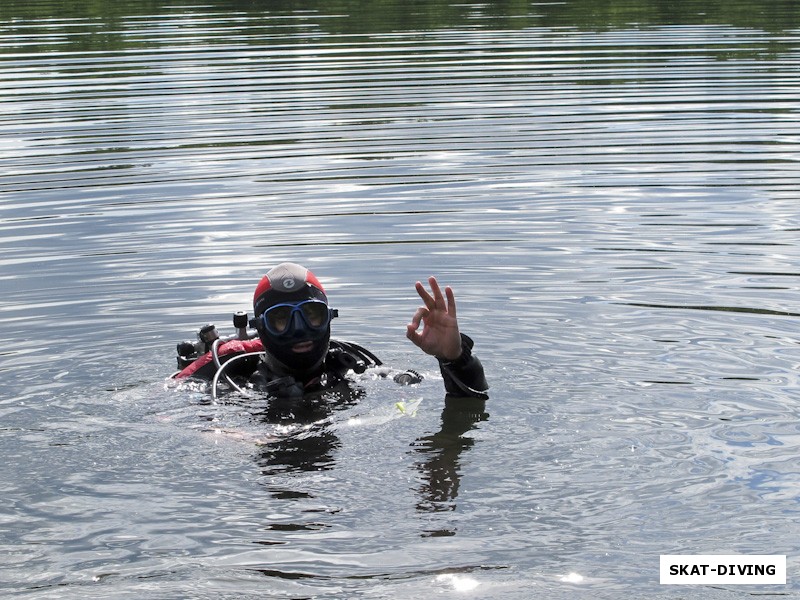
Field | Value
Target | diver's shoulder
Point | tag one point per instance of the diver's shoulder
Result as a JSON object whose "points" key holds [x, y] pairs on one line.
{"points": [[345, 355]]}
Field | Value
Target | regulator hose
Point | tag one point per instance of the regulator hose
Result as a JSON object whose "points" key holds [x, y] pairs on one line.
{"points": [[221, 371]]}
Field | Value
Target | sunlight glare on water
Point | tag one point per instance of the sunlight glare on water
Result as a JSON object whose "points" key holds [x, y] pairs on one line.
{"points": [[609, 187]]}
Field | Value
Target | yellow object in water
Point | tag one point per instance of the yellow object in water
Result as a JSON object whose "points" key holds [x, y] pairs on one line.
{"points": [[408, 408]]}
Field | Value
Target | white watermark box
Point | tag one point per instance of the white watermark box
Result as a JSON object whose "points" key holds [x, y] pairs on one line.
{"points": [[727, 569]]}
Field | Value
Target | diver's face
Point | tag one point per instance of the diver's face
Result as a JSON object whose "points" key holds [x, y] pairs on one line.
{"points": [[297, 334]]}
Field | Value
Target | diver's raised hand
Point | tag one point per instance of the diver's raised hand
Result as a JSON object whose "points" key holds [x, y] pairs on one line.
{"points": [[439, 335]]}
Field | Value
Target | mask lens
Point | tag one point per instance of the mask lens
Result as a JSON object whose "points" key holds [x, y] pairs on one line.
{"points": [[315, 313], [278, 318]]}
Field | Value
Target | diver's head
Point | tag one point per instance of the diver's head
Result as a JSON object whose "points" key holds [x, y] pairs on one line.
{"points": [[293, 319]]}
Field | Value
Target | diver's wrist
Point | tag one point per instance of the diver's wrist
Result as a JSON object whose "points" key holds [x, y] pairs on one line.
{"points": [[459, 361]]}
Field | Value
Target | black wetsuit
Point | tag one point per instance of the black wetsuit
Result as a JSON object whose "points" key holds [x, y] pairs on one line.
{"points": [[462, 378]]}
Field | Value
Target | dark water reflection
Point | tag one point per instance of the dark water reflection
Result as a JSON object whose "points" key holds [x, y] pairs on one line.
{"points": [[610, 187]]}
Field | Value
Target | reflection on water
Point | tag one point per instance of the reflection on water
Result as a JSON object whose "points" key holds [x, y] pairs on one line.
{"points": [[610, 187]]}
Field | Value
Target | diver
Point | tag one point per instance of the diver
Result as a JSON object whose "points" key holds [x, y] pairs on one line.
{"points": [[289, 356], [293, 356]]}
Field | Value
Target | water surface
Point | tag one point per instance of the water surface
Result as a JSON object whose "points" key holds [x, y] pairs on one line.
{"points": [[610, 188]]}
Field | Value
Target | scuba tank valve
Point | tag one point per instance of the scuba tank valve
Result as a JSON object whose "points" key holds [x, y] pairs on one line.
{"points": [[240, 322], [189, 351]]}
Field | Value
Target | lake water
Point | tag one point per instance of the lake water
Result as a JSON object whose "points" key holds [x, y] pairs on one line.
{"points": [[611, 188]]}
